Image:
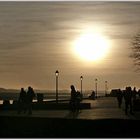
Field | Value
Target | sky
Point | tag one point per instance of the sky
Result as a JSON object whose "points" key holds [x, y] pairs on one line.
{"points": [[36, 39]]}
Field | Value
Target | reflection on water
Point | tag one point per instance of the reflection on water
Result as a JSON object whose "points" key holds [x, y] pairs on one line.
{"points": [[1, 101], [11, 101]]}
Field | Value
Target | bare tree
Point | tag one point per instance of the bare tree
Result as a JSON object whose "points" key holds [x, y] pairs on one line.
{"points": [[136, 51]]}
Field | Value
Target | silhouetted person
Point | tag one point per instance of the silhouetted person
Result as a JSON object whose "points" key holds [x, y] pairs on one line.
{"points": [[119, 97], [134, 94], [138, 93], [77, 101], [30, 96], [92, 96], [128, 100], [22, 101], [73, 99]]}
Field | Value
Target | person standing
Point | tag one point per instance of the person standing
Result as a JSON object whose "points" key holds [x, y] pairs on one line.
{"points": [[134, 94], [77, 101], [73, 99], [128, 96], [22, 101], [30, 96]]}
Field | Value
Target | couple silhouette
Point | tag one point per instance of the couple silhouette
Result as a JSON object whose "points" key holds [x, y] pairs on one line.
{"points": [[75, 99], [25, 100]]}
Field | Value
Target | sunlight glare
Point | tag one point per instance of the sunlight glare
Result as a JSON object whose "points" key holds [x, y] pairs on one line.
{"points": [[91, 46]]}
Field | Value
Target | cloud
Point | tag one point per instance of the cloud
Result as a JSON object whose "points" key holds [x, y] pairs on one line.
{"points": [[37, 35]]}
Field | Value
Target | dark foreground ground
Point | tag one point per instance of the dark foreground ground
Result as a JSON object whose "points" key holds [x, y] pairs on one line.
{"points": [[103, 120], [35, 127]]}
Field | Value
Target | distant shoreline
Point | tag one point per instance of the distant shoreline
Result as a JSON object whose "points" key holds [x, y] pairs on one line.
{"points": [[47, 96]]}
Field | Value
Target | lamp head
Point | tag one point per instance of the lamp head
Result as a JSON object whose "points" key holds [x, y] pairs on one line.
{"points": [[81, 77], [57, 73]]}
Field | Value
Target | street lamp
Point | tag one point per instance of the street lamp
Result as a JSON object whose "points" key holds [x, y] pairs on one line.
{"points": [[81, 78], [57, 74], [105, 88], [96, 86]]}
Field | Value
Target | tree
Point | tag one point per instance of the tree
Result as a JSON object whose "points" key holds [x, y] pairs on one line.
{"points": [[136, 51]]}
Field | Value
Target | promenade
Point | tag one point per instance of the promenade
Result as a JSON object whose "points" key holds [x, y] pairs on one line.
{"points": [[101, 108], [103, 120]]}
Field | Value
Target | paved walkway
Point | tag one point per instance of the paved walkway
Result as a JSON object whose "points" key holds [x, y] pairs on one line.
{"points": [[105, 107]]}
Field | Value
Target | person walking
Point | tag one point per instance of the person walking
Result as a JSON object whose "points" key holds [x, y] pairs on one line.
{"points": [[119, 97]]}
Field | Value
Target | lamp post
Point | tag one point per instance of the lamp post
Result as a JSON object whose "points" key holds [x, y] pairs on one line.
{"points": [[81, 78], [96, 86], [105, 88], [57, 74]]}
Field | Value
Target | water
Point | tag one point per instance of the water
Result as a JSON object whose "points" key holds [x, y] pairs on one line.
{"points": [[47, 96]]}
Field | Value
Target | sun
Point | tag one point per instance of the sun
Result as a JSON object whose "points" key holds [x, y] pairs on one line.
{"points": [[91, 46]]}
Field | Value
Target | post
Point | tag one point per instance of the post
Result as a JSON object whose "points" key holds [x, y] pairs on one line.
{"points": [[96, 86], [105, 88], [56, 74], [81, 77]]}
